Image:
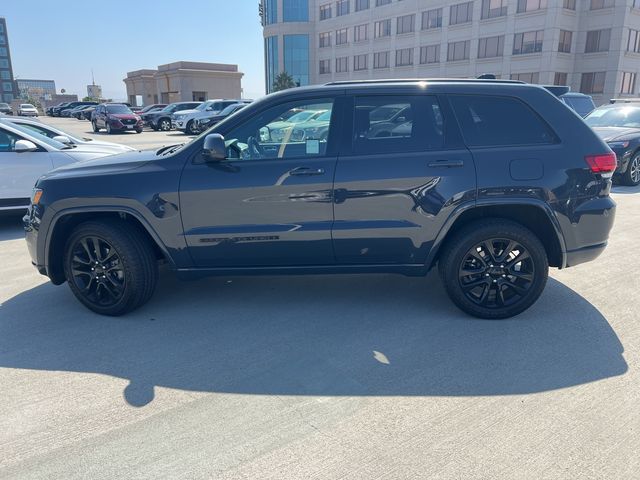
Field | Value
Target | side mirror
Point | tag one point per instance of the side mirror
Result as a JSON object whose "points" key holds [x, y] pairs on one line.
{"points": [[214, 147], [63, 139], [23, 146]]}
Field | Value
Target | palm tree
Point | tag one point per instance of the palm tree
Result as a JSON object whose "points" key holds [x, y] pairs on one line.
{"points": [[283, 81]]}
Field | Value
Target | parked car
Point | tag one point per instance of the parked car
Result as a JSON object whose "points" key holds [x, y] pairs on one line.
{"points": [[65, 137], [115, 117], [494, 182], [74, 111], [161, 120], [57, 111], [87, 113], [207, 121], [185, 120], [136, 109], [618, 124], [25, 155], [314, 129], [151, 108], [279, 129], [6, 109], [79, 112], [27, 110]]}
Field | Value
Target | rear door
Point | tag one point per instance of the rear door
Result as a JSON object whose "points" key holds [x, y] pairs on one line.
{"points": [[405, 172]]}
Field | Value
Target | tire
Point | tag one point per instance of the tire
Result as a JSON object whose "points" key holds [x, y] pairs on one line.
{"points": [[480, 273], [138, 130], [189, 129], [631, 177], [126, 264], [95, 126], [164, 124], [109, 130]]}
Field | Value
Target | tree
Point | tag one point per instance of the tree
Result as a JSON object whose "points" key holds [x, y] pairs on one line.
{"points": [[89, 99], [283, 81]]}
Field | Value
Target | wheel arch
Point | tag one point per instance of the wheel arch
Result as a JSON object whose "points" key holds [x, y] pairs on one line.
{"points": [[533, 215], [66, 220]]}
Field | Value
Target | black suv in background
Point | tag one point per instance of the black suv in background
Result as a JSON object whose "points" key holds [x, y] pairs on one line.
{"points": [[6, 109], [57, 111], [492, 181], [161, 119]]}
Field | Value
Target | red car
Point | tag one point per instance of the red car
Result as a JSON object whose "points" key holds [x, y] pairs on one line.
{"points": [[115, 117]]}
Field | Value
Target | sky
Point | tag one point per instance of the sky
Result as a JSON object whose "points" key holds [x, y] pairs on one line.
{"points": [[63, 40]]}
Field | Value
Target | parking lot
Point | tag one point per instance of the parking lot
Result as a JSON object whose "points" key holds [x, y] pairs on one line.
{"points": [[360, 376]]}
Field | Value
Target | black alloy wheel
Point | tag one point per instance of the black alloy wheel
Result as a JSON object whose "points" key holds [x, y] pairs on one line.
{"points": [[632, 175]]}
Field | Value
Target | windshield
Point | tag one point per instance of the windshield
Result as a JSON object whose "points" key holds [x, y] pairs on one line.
{"points": [[325, 117], [230, 109], [302, 116], [49, 133], [26, 105], [203, 106], [4, 105], [38, 136], [627, 116], [118, 109]]}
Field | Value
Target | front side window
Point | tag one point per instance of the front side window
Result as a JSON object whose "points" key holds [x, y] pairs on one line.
{"points": [[527, 42], [292, 130], [598, 41], [461, 13], [493, 8], [488, 121], [8, 140], [396, 124]]}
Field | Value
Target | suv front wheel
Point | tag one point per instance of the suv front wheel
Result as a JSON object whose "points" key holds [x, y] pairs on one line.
{"points": [[494, 268], [110, 267]]}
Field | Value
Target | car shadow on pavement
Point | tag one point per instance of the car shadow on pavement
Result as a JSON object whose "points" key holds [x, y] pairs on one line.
{"points": [[356, 335], [621, 189], [11, 226]]}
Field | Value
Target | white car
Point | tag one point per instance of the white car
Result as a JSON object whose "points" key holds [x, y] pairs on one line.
{"points": [[185, 119], [66, 138], [25, 156], [27, 110]]}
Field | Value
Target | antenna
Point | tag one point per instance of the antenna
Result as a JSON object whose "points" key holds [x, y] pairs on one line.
{"points": [[93, 80]]}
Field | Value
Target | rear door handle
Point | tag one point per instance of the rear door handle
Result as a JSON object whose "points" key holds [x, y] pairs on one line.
{"points": [[305, 171], [447, 163]]}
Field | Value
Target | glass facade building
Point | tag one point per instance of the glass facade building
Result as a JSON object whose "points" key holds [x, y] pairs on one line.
{"points": [[270, 12], [8, 91], [40, 90], [271, 61], [295, 10], [296, 58]]}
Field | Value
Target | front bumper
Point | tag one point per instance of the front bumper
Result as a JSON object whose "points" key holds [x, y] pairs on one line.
{"points": [[178, 124]]}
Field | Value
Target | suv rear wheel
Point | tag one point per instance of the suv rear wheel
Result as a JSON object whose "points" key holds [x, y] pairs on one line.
{"points": [[190, 128], [494, 268], [110, 267]]}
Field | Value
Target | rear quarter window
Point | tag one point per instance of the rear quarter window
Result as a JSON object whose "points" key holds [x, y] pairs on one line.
{"points": [[488, 121]]}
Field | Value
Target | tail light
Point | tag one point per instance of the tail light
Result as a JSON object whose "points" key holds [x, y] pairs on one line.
{"points": [[605, 163]]}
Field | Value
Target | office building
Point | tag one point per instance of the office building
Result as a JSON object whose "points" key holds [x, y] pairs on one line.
{"points": [[94, 91], [183, 81], [39, 91], [8, 92], [591, 45]]}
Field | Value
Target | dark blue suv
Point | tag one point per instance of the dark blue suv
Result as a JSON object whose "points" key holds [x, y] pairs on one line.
{"points": [[493, 181]]}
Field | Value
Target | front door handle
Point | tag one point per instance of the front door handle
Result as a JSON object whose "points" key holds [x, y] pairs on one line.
{"points": [[305, 171], [447, 163]]}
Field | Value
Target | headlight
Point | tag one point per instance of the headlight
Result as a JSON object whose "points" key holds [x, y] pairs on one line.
{"points": [[618, 144], [35, 196], [179, 117]]}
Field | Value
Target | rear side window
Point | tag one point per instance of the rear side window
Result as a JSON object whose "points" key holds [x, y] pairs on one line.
{"points": [[582, 105], [396, 124], [499, 121]]}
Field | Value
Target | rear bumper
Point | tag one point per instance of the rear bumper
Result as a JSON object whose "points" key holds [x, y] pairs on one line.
{"points": [[584, 255]]}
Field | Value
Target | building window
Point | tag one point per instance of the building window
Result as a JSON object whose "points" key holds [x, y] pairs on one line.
{"points": [[342, 8], [598, 4], [342, 36], [569, 4], [598, 41], [4, 63], [527, 42], [271, 60], [1, 28], [382, 2], [430, 54], [491, 47], [295, 10], [460, 13], [531, 5], [3, 40], [382, 28], [8, 97], [404, 57], [405, 24], [270, 12], [381, 60], [592, 82], [457, 51], [342, 64], [3, 52], [324, 40], [533, 77], [493, 8], [564, 44], [628, 82], [633, 42], [360, 62], [7, 86], [325, 11], [636, 4], [362, 5], [296, 58], [325, 66], [4, 75], [432, 19], [560, 78], [360, 33]]}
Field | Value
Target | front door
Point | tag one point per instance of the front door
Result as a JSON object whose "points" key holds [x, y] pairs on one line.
{"points": [[270, 202], [407, 170], [19, 171]]}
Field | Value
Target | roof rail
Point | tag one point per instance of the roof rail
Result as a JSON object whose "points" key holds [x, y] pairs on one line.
{"points": [[557, 90], [414, 80], [624, 100]]}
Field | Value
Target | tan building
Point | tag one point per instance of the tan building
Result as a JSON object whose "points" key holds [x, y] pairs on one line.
{"points": [[591, 45], [183, 81]]}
